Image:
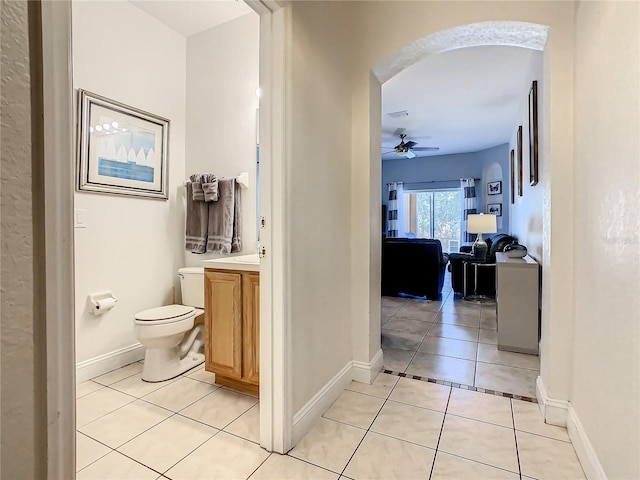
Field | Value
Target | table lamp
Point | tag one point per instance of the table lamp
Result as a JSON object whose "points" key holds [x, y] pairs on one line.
{"points": [[481, 223]]}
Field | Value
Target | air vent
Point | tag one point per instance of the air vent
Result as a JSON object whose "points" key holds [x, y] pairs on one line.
{"points": [[400, 114]]}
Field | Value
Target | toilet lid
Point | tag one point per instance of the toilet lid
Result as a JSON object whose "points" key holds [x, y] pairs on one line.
{"points": [[167, 312]]}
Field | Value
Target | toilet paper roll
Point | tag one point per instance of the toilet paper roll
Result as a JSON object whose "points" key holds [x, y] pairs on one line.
{"points": [[105, 304]]}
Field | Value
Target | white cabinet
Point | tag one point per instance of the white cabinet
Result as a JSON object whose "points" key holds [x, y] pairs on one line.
{"points": [[517, 303]]}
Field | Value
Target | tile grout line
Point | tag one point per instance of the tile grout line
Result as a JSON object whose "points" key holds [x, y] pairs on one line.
{"points": [[515, 437], [444, 418]]}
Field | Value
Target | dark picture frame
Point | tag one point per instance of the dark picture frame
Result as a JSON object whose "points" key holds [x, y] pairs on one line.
{"points": [[122, 150], [494, 188], [494, 209], [512, 185], [519, 148], [533, 133]]}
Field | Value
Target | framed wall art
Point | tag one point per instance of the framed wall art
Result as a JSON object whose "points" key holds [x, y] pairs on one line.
{"points": [[519, 149], [494, 209], [533, 134], [494, 188], [512, 184], [121, 149]]}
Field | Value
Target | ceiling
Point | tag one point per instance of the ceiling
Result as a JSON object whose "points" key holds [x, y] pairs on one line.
{"points": [[464, 100], [189, 17]]}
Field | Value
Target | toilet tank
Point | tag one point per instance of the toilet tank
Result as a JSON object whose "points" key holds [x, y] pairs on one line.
{"points": [[192, 286]]}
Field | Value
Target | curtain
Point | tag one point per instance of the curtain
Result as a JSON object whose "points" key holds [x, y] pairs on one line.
{"points": [[469, 203], [396, 223]]}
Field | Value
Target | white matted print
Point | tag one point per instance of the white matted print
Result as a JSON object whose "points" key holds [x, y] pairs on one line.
{"points": [[121, 149]]}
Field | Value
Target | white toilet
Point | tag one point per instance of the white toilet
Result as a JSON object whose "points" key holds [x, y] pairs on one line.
{"points": [[162, 330]]}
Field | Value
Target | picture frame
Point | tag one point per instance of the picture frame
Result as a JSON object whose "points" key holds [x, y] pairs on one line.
{"points": [[533, 134], [122, 150], [494, 188], [494, 209], [512, 184], [519, 148]]}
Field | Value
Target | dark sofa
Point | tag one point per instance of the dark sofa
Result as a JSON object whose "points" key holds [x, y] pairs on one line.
{"points": [[413, 266], [495, 243]]}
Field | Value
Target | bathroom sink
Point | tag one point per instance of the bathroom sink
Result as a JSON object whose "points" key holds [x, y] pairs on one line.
{"points": [[241, 262]]}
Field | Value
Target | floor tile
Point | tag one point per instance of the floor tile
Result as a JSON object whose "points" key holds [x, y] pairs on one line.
{"points": [[546, 458], [388, 311], [247, 425], [329, 444], [122, 425], [396, 359], [180, 394], [135, 386], [202, 375], [472, 321], [423, 312], [462, 308], [490, 444], [354, 409], [284, 467], [168, 442], [119, 374], [401, 340], [421, 394], [488, 336], [449, 347], [518, 381], [528, 418], [117, 467], [409, 423], [88, 451], [450, 467], [481, 406], [381, 457], [381, 386], [489, 323], [442, 368], [488, 310], [406, 325], [491, 354], [453, 331], [392, 301], [99, 403], [85, 388], [222, 456], [219, 408]]}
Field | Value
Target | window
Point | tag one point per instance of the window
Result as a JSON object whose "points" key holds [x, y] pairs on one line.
{"points": [[435, 214]]}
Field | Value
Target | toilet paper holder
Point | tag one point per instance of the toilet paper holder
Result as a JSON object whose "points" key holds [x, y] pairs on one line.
{"points": [[102, 302]]}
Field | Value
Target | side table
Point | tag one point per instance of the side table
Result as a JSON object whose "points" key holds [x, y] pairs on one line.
{"points": [[472, 273]]}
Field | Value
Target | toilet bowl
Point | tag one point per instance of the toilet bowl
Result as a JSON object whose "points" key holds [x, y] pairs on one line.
{"points": [[161, 330]]}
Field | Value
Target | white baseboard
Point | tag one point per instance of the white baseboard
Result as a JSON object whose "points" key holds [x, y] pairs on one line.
{"points": [[367, 372], [562, 413], [586, 453], [554, 412], [93, 367]]}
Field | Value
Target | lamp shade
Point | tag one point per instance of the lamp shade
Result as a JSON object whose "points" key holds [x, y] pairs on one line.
{"points": [[481, 223]]}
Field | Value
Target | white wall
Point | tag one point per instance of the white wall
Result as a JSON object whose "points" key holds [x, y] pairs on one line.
{"points": [[319, 223], [526, 213], [132, 246], [222, 79], [606, 374]]}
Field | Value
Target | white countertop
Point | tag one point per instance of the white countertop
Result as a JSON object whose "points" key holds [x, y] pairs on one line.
{"points": [[247, 263]]}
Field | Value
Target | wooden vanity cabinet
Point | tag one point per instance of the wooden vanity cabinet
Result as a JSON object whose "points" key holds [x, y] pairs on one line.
{"points": [[232, 328]]}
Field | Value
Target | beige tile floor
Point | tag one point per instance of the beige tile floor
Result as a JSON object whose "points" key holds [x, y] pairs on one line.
{"points": [[453, 340], [397, 428]]}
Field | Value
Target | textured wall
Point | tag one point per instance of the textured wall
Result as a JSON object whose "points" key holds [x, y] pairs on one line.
{"points": [[18, 372]]}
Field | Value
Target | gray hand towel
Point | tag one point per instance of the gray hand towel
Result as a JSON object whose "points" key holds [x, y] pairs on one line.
{"points": [[197, 223], [198, 193], [210, 188], [236, 242], [221, 218]]}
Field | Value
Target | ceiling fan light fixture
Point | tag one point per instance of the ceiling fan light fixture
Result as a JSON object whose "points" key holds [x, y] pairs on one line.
{"points": [[400, 114]]}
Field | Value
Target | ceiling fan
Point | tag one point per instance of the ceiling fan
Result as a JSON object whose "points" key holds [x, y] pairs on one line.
{"points": [[406, 149]]}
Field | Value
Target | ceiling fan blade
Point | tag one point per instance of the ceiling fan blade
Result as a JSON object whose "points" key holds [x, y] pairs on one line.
{"points": [[398, 132], [426, 149], [411, 143]]}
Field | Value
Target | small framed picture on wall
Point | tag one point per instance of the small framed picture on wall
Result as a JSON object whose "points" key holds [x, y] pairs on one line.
{"points": [[519, 147], [494, 209], [494, 188], [512, 184]]}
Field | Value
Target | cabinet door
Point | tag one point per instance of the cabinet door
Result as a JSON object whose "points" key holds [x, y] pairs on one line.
{"points": [[223, 323], [251, 328]]}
